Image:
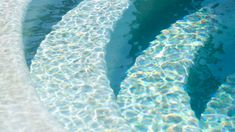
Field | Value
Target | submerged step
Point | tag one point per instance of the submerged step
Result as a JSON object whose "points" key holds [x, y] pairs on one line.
{"points": [[40, 16], [220, 112], [20, 107], [152, 97], [140, 24], [69, 69], [215, 61]]}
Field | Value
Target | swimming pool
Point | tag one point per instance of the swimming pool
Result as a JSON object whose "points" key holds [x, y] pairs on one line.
{"points": [[96, 65]]}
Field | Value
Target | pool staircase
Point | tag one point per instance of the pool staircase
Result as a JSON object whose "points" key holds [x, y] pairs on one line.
{"points": [[69, 89], [152, 97]]}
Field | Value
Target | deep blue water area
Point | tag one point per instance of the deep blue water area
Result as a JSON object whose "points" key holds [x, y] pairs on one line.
{"points": [[216, 60]]}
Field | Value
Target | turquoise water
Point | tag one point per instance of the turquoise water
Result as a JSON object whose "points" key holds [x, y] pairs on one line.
{"points": [[215, 61], [146, 19], [40, 17], [139, 25]]}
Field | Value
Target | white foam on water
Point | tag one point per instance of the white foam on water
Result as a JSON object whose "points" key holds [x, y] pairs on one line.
{"points": [[20, 108]]}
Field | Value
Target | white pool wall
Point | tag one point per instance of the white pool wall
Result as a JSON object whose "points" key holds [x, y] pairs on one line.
{"points": [[20, 108]]}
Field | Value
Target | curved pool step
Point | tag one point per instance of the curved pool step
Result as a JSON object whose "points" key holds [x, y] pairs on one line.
{"points": [[220, 112], [152, 97], [20, 107], [69, 69]]}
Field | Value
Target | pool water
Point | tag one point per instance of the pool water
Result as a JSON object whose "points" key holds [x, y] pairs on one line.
{"points": [[216, 60], [139, 26], [132, 34], [40, 17]]}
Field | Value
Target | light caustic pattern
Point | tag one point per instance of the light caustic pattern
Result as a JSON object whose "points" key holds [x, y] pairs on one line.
{"points": [[220, 112], [152, 96], [69, 68]]}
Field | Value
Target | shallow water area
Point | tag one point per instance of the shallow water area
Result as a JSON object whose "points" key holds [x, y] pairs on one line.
{"points": [[139, 25], [69, 71], [40, 17]]}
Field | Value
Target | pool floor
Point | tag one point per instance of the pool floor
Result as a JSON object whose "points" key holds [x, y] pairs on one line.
{"points": [[78, 55]]}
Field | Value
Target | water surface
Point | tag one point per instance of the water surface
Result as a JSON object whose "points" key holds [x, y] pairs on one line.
{"points": [[41, 15]]}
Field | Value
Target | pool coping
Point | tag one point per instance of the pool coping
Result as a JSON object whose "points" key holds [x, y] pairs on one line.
{"points": [[20, 107]]}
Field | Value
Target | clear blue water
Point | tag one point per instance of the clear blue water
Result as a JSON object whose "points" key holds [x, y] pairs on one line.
{"points": [[140, 25], [144, 21], [132, 34], [41, 15], [215, 61]]}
